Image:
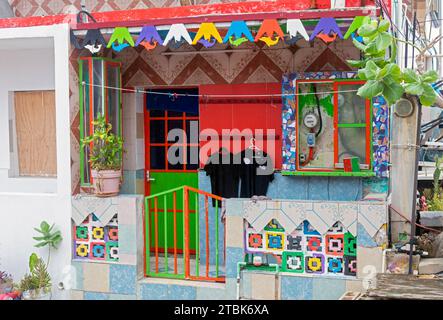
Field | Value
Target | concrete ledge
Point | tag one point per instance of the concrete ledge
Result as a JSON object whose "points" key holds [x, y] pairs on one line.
{"points": [[430, 266], [179, 282]]}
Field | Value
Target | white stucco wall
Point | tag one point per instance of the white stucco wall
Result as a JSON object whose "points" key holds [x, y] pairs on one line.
{"points": [[34, 58]]}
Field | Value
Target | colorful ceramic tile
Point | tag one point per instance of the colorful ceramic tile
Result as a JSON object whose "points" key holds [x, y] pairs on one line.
{"points": [[96, 242], [275, 241], [336, 228], [255, 240], [294, 243], [293, 262], [111, 233], [350, 266], [98, 233], [380, 136], [314, 244], [98, 251], [81, 250], [309, 229], [315, 263], [335, 265], [350, 245], [112, 251], [334, 244], [81, 233]]}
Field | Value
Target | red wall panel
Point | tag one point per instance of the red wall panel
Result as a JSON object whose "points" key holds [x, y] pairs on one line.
{"points": [[252, 112]]}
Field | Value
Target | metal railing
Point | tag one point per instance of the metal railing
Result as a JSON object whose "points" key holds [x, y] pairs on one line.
{"points": [[184, 235]]}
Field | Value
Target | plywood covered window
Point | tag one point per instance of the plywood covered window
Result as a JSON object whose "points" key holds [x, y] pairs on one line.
{"points": [[35, 133]]}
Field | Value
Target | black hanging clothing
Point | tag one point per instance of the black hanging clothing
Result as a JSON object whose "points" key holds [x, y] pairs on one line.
{"points": [[224, 175], [256, 172]]}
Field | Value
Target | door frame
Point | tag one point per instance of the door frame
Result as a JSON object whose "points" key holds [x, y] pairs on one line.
{"points": [[147, 137]]}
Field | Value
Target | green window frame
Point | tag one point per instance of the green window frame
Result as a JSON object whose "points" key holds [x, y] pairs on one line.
{"points": [[340, 123], [100, 83]]}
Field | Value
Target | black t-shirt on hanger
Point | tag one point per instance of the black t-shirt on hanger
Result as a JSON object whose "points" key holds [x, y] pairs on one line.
{"points": [[256, 172], [224, 175]]}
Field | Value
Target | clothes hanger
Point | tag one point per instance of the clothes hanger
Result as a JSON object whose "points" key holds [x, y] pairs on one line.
{"points": [[252, 146]]}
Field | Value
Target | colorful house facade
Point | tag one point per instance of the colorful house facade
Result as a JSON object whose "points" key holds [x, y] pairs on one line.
{"points": [[263, 80]]}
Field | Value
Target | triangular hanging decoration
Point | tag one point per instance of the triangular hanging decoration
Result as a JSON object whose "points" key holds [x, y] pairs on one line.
{"points": [[179, 33], [356, 23], [295, 27], [238, 33], [74, 41], [94, 41], [267, 30], [326, 30], [120, 34], [207, 31], [149, 38], [357, 37]]}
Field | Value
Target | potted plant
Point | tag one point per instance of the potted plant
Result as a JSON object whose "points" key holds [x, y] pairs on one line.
{"points": [[434, 197], [37, 284], [105, 157]]}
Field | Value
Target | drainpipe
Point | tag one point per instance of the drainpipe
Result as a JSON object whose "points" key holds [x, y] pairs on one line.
{"points": [[5, 9], [240, 265]]}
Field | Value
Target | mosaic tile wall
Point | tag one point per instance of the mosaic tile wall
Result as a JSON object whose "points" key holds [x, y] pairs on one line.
{"points": [[116, 281], [305, 250], [95, 241]]}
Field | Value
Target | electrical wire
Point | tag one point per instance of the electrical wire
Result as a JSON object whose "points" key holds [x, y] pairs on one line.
{"points": [[173, 94], [417, 224]]}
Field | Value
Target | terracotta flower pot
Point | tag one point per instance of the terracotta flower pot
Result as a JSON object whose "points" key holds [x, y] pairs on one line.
{"points": [[106, 182]]}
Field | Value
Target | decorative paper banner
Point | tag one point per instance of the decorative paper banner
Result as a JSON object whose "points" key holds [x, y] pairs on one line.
{"points": [[149, 38], [267, 30], [356, 23], [207, 31], [294, 27], [94, 41], [327, 30], [179, 33], [121, 34], [240, 31]]}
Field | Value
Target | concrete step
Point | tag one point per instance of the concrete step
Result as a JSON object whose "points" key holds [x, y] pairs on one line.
{"points": [[430, 266]]}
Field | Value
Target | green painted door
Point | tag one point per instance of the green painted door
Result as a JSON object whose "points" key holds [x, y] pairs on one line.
{"points": [[162, 115]]}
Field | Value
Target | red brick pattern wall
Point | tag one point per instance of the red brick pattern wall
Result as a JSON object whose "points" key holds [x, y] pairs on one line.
{"points": [[27, 8]]}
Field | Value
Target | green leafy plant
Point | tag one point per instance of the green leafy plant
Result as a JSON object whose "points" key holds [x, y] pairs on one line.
{"points": [[38, 277], [48, 237], [107, 148], [435, 202], [383, 76]]}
